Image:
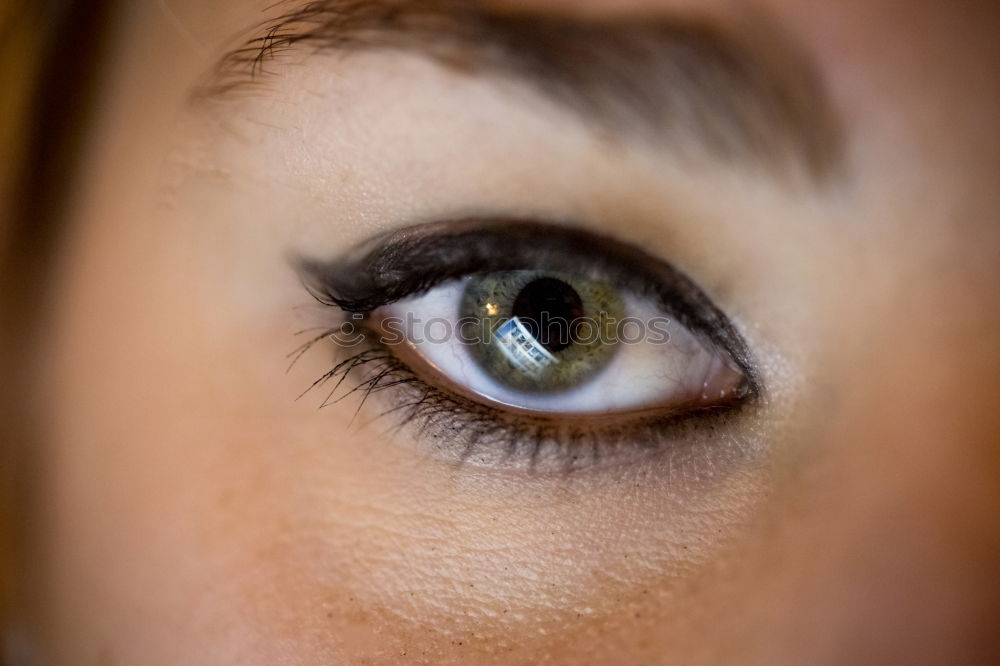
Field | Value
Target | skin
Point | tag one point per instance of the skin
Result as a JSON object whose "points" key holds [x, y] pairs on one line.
{"points": [[195, 513]]}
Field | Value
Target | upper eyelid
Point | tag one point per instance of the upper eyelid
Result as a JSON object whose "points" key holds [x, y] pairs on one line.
{"points": [[743, 94], [412, 260], [373, 274]]}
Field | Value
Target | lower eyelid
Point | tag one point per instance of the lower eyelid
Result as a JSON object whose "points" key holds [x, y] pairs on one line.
{"points": [[406, 360], [465, 431], [450, 426]]}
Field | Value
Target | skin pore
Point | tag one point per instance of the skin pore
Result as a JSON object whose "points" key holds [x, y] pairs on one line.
{"points": [[193, 511]]}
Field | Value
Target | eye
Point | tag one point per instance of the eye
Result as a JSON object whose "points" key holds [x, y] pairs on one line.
{"points": [[506, 336], [557, 343]]}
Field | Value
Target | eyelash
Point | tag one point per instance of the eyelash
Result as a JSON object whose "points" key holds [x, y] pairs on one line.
{"points": [[471, 432], [466, 430], [413, 260]]}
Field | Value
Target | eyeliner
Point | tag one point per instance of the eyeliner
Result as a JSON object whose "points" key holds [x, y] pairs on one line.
{"points": [[413, 260]]}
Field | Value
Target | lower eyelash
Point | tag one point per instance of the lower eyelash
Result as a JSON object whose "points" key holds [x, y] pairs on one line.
{"points": [[471, 432]]}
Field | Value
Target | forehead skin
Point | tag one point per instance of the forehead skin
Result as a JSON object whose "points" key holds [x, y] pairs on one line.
{"points": [[877, 542]]}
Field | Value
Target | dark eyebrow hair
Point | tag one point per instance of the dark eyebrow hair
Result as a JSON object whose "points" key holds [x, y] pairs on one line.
{"points": [[736, 94]]}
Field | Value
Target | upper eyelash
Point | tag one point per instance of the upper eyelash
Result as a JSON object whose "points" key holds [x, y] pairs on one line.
{"points": [[416, 259], [413, 260]]}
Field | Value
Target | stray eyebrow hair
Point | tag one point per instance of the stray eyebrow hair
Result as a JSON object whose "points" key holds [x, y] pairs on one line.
{"points": [[737, 95]]}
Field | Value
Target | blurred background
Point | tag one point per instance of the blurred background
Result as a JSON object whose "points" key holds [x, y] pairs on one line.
{"points": [[50, 55]]}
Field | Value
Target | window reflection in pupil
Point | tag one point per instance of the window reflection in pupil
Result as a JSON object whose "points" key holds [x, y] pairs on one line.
{"points": [[551, 310], [541, 336]]}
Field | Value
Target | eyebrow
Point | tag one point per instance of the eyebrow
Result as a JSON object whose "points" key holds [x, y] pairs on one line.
{"points": [[740, 95]]}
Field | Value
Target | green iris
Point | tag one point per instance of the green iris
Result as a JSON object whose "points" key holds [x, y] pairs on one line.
{"points": [[541, 331]]}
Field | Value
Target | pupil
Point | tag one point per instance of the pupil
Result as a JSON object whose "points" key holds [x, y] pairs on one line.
{"points": [[551, 311]]}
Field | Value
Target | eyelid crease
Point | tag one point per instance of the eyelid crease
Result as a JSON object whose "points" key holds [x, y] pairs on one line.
{"points": [[413, 260]]}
